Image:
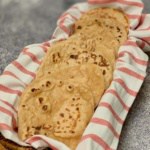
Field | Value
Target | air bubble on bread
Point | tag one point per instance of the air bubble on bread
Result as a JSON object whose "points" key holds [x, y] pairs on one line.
{"points": [[70, 88], [44, 105]]}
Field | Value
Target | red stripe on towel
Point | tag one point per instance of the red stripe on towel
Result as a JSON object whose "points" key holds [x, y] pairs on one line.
{"points": [[23, 69], [107, 124], [10, 114], [108, 106], [4, 126], [10, 91], [131, 73], [32, 56], [122, 83], [8, 104], [137, 60], [97, 139], [112, 91]]}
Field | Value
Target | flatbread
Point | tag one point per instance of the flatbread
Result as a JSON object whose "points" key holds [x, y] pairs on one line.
{"points": [[79, 87], [72, 78], [112, 20], [72, 53], [90, 40], [118, 32], [110, 13]]}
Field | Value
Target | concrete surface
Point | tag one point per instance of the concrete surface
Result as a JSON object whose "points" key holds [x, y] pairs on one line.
{"points": [[23, 22]]}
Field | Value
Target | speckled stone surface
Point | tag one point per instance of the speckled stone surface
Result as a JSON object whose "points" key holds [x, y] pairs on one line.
{"points": [[23, 22]]}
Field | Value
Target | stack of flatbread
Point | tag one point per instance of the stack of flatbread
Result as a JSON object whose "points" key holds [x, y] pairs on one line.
{"points": [[73, 76]]}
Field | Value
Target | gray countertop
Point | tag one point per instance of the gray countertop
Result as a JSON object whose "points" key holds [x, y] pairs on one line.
{"points": [[23, 22]]}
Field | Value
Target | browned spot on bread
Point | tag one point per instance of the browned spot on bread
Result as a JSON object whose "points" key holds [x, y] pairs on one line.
{"points": [[118, 40], [79, 27], [77, 108], [104, 72], [70, 87], [28, 128], [118, 29], [74, 56], [96, 20], [48, 83], [40, 100], [38, 127], [71, 131], [33, 89], [60, 83], [56, 57], [44, 107], [61, 114], [73, 99]]}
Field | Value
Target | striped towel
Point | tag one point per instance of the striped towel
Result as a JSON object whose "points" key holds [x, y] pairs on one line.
{"points": [[103, 131]]}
